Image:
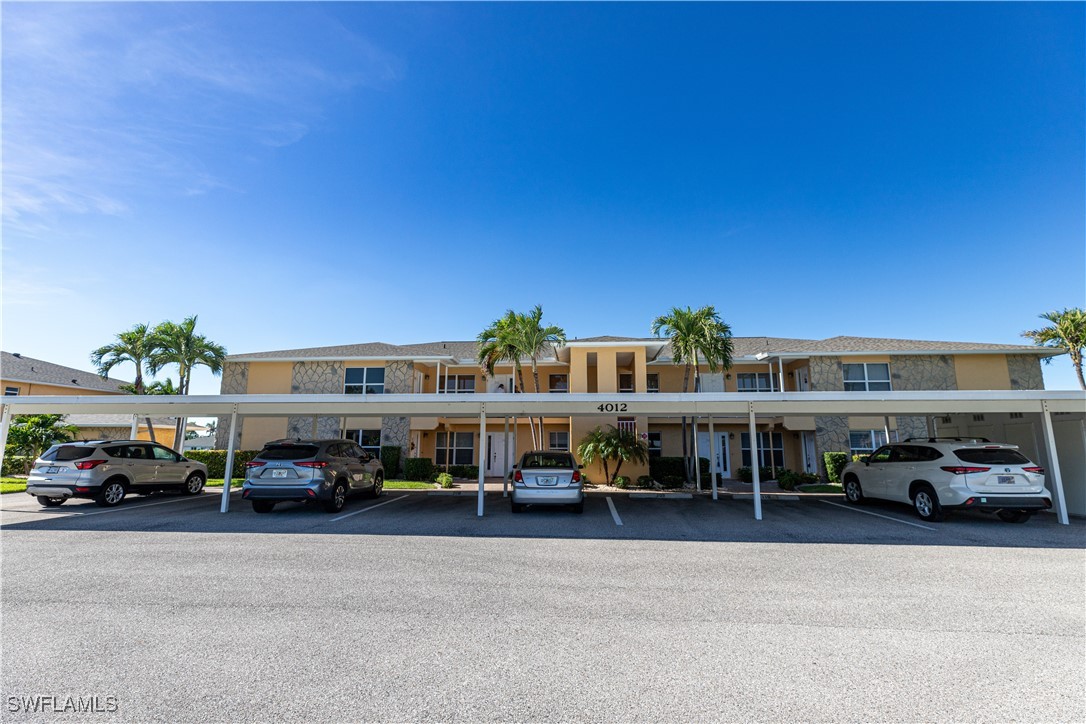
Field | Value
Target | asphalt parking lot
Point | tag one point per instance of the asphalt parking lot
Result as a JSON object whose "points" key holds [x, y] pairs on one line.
{"points": [[412, 608]]}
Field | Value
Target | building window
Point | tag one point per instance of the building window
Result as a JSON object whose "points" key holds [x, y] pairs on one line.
{"points": [[559, 440], [368, 440], [625, 382], [652, 383], [862, 442], [364, 381], [655, 445], [559, 383], [461, 451], [770, 449], [11, 391], [756, 382], [867, 377], [460, 385]]}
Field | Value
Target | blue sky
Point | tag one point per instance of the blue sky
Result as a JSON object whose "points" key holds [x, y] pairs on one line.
{"points": [[312, 174]]}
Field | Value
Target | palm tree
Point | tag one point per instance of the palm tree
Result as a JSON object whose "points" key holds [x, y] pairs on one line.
{"points": [[178, 344], [695, 335], [534, 340], [1068, 331], [31, 434], [135, 346], [613, 444]]}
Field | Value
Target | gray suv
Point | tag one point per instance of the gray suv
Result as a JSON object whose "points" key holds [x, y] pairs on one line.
{"points": [[323, 471], [108, 470]]}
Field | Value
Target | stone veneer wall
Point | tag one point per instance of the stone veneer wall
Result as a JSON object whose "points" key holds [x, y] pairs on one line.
{"points": [[920, 372], [831, 432], [399, 379], [315, 378], [235, 381], [1025, 372]]}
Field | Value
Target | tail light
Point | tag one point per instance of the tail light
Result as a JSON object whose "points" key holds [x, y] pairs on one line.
{"points": [[88, 464], [517, 477], [255, 464], [1035, 469], [962, 470], [576, 476], [312, 464]]}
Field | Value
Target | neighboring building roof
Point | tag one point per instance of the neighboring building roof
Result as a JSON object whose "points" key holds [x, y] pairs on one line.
{"points": [[89, 420], [19, 368]]}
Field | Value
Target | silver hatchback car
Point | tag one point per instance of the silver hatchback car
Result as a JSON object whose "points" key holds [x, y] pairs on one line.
{"points": [[108, 470], [549, 478], [323, 471]]}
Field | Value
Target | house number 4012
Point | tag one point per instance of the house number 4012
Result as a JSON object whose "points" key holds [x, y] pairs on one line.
{"points": [[612, 407]]}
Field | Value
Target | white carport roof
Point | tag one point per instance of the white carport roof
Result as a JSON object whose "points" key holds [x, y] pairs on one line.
{"points": [[704, 404]]}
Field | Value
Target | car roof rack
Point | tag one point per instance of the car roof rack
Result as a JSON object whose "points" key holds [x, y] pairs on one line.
{"points": [[947, 439]]}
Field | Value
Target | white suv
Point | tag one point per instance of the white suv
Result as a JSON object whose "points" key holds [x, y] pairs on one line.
{"points": [[938, 474]]}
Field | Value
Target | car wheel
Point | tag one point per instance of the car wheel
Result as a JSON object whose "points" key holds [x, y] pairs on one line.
{"points": [[111, 494], [378, 485], [1014, 516], [577, 507], [194, 484], [50, 502], [926, 502], [853, 492], [338, 499]]}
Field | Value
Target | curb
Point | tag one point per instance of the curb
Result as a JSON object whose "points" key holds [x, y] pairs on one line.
{"points": [[661, 496], [765, 496]]}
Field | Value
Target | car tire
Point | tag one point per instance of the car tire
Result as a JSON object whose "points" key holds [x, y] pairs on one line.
{"points": [[263, 506], [926, 504], [112, 493], [194, 484], [516, 507], [48, 502], [378, 485], [853, 492], [339, 498], [1014, 516], [577, 507]]}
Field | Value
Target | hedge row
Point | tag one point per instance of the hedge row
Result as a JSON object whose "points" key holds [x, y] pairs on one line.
{"points": [[418, 469], [390, 459], [215, 460], [670, 471], [835, 463]]}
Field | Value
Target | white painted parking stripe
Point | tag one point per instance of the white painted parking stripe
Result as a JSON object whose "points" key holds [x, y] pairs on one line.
{"points": [[123, 508], [614, 513], [868, 512], [333, 520]]}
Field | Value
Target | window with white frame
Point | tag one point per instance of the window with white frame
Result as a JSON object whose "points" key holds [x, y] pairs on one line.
{"points": [[756, 382], [652, 382], [458, 448], [460, 385], [368, 440], [862, 442], [625, 382], [559, 440], [655, 445], [559, 383], [11, 391], [364, 381], [866, 377], [770, 449]]}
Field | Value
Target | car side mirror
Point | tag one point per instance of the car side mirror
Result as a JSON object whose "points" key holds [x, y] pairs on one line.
{"points": [[865, 459], [580, 467]]}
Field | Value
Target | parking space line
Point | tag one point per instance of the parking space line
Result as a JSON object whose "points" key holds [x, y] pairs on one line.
{"points": [[887, 517], [614, 513], [333, 520], [121, 509]]}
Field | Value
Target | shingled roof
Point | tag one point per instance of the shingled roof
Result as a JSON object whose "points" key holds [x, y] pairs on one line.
{"points": [[19, 368]]}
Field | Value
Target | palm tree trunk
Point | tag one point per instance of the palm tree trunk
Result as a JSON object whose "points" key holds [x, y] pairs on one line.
{"points": [[535, 376], [531, 424], [1078, 370], [686, 449], [150, 429]]}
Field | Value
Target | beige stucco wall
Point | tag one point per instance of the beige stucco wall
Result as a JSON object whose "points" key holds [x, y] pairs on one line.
{"points": [[37, 388], [982, 372]]}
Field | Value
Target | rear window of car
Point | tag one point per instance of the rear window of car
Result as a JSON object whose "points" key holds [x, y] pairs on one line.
{"points": [[997, 456], [288, 452], [547, 460], [68, 452]]}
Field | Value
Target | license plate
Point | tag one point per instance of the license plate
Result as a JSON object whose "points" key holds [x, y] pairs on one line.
{"points": [[52, 471], [1005, 479], [279, 473], [547, 480]]}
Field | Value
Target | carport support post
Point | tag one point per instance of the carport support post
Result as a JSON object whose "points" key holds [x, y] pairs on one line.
{"points": [[482, 447], [755, 467], [712, 457], [505, 478], [1054, 464], [697, 457], [5, 425], [228, 472]]}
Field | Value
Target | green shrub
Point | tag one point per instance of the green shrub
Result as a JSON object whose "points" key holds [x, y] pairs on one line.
{"points": [[390, 459], [15, 465], [672, 467], [445, 480], [418, 468], [859, 458], [215, 460], [671, 481], [470, 472], [835, 462], [787, 480], [745, 474], [644, 481], [621, 481]]}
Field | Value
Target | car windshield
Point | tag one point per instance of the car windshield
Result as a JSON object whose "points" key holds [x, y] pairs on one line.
{"points": [[288, 452], [992, 456], [548, 460], [66, 453]]}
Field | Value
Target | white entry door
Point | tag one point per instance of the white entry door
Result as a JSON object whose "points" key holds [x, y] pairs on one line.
{"points": [[810, 465], [495, 459], [723, 464]]}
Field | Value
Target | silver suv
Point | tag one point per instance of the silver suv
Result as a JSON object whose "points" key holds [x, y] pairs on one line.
{"points": [[324, 471], [108, 470], [939, 474]]}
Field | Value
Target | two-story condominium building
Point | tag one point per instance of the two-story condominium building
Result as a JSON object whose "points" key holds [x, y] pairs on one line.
{"points": [[619, 365]]}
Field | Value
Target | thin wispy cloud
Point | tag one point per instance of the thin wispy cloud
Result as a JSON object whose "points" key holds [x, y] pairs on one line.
{"points": [[106, 103]]}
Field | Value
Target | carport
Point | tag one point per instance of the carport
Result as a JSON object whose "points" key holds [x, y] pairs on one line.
{"points": [[711, 407]]}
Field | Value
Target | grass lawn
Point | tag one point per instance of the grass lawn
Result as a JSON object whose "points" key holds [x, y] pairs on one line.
{"points": [[217, 482], [818, 488], [408, 485], [12, 485]]}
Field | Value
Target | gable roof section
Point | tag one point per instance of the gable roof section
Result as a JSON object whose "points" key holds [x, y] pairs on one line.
{"points": [[19, 368]]}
